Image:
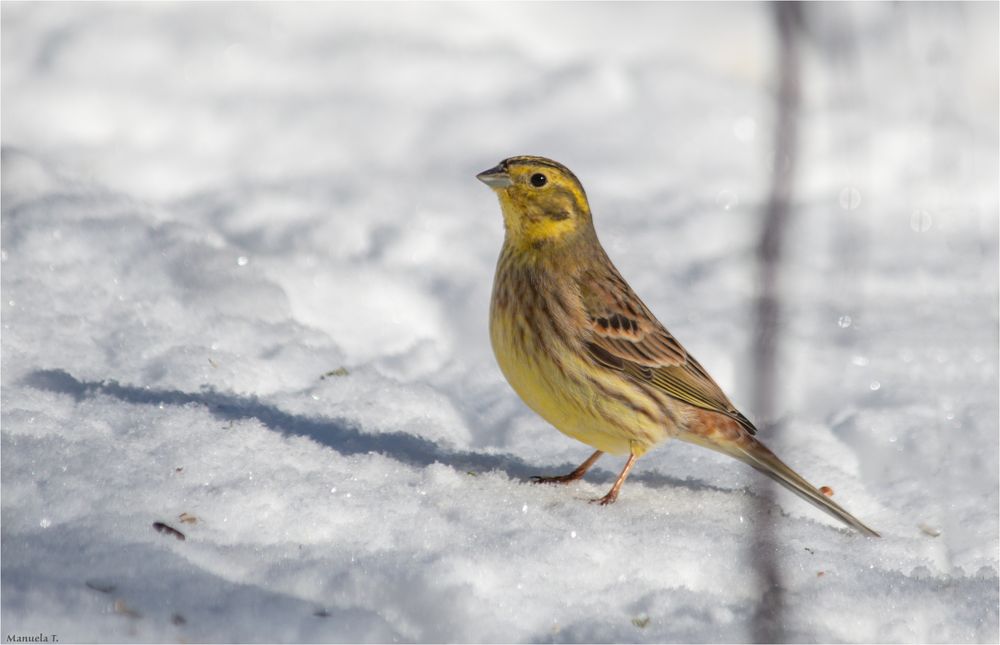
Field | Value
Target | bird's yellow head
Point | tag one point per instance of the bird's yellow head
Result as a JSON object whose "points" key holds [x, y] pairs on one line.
{"points": [[543, 203]]}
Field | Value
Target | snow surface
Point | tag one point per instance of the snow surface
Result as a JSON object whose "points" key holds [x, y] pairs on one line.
{"points": [[246, 270]]}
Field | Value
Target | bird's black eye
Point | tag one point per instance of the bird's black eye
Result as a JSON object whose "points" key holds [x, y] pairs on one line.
{"points": [[538, 180]]}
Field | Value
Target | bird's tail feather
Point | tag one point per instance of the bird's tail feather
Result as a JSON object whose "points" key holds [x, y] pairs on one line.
{"points": [[752, 452]]}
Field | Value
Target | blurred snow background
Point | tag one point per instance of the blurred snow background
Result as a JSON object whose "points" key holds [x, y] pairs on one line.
{"points": [[246, 270]]}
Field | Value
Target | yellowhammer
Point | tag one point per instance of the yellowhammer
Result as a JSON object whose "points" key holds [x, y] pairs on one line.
{"points": [[585, 353]]}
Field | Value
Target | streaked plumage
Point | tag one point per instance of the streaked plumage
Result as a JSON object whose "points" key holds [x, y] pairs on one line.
{"points": [[583, 351]]}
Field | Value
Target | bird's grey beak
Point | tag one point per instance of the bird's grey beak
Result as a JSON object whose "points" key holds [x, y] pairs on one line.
{"points": [[496, 177]]}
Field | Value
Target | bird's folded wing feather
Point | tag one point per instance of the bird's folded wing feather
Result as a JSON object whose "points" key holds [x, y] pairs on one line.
{"points": [[624, 335]]}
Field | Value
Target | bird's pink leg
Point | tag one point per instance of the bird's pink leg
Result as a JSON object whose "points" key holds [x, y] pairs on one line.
{"points": [[613, 493], [573, 476]]}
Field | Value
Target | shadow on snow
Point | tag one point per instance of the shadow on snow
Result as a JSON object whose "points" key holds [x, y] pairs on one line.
{"points": [[338, 434]]}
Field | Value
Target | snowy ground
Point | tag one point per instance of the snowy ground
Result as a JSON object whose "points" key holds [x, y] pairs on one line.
{"points": [[207, 208]]}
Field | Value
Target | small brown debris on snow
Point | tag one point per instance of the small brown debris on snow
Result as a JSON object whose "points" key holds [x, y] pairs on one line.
{"points": [[125, 610]]}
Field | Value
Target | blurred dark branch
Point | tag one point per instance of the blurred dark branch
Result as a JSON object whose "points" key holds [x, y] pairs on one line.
{"points": [[768, 622], [769, 252]]}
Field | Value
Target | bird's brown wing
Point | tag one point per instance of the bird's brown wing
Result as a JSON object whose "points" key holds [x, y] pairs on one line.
{"points": [[625, 336]]}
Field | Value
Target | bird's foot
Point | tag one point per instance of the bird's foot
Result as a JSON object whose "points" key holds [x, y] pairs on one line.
{"points": [[561, 479], [607, 499]]}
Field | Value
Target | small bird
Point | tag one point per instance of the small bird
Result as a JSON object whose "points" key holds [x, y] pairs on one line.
{"points": [[583, 351]]}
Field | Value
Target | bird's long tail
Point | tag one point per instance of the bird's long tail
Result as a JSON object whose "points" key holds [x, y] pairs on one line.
{"points": [[749, 450]]}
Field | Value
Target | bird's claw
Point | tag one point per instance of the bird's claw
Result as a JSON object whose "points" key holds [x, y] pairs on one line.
{"points": [[538, 479]]}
